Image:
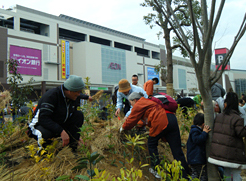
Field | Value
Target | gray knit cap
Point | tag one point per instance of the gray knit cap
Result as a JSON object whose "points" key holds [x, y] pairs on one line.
{"points": [[135, 95], [74, 83]]}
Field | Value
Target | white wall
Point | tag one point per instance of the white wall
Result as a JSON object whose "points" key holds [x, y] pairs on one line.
{"points": [[87, 61], [52, 38], [132, 67], [152, 62], [85, 57]]}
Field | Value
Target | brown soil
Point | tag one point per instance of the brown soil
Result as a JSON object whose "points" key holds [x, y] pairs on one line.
{"points": [[19, 166]]}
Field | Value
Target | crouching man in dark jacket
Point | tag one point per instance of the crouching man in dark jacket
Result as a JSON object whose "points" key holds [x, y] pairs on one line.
{"points": [[57, 116]]}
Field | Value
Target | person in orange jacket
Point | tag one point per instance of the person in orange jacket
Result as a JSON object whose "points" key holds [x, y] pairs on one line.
{"points": [[149, 86], [34, 108], [160, 124]]}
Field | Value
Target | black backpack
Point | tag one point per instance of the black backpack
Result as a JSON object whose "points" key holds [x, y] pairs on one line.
{"points": [[114, 96]]}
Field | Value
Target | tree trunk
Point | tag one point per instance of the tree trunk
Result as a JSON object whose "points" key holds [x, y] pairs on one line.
{"points": [[169, 79], [169, 89], [213, 174], [205, 90]]}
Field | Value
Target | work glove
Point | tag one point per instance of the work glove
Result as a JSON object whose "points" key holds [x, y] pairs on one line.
{"points": [[121, 129]]}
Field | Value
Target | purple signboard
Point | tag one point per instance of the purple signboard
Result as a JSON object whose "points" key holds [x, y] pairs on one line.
{"points": [[29, 60]]}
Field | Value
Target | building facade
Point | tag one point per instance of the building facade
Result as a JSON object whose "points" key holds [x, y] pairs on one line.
{"points": [[50, 48]]}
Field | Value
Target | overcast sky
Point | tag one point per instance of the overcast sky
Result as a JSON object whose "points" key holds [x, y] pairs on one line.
{"points": [[127, 16]]}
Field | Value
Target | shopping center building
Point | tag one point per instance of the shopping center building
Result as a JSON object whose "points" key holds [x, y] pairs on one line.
{"points": [[49, 48]]}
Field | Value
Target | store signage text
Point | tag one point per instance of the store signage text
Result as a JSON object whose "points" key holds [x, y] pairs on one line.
{"points": [[114, 66]]}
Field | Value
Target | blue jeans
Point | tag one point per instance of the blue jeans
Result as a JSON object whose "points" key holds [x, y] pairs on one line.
{"points": [[172, 135]]}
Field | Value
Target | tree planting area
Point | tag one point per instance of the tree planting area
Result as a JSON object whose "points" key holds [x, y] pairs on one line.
{"points": [[105, 154]]}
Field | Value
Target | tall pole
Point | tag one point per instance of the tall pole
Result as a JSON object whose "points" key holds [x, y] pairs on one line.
{"points": [[224, 81]]}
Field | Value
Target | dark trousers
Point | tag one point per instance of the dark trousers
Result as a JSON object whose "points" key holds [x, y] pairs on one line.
{"points": [[199, 171], [172, 135], [127, 106], [71, 126]]}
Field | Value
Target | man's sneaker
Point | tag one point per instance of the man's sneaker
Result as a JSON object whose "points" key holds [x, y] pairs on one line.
{"points": [[151, 170]]}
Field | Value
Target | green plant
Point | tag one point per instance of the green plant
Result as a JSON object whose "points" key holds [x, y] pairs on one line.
{"points": [[135, 141], [2, 158], [100, 176], [87, 82], [133, 173], [113, 162], [172, 171], [85, 131], [111, 148], [125, 155], [105, 99], [44, 154], [19, 94], [88, 161], [185, 122], [71, 178], [110, 113], [91, 112], [7, 130]]}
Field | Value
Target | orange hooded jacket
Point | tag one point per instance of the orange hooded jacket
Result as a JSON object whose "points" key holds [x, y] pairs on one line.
{"points": [[149, 87], [151, 113]]}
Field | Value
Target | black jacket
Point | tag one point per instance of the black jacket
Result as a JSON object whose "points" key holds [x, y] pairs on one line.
{"points": [[54, 109], [196, 146]]}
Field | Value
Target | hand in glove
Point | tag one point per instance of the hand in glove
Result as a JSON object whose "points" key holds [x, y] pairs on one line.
{"points": [[121, 129]]}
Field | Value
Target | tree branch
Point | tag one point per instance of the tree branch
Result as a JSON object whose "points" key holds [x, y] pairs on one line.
{"points": [[214, 77], [195, 33], [199, 26], [177, 24], [184, 24], [178, 8], [157, 22], [184, 43], [212, 27], [176, 46], [217, 17], [207, 38], [204, 15], [183, 12]]}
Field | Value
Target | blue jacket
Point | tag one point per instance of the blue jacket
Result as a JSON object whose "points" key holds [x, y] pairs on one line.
{"points": [[196, 146], [120, 96]]}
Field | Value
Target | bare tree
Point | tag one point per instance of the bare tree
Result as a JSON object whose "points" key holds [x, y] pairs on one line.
{"points": [[180, 9], [200, 53]]}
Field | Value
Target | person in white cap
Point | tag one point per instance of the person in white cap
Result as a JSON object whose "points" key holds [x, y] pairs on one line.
{"points": [[56, 114]]}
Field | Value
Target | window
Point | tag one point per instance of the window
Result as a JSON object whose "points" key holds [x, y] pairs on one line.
{"points": [[182, 78], [34, 27], [240, 85], [156, 55], [101, 41], [6, 21], [71, 35], [142, 52], [122, 46]]}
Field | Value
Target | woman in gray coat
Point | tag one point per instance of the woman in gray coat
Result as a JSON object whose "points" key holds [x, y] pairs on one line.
{"points": [[227, 148]]}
